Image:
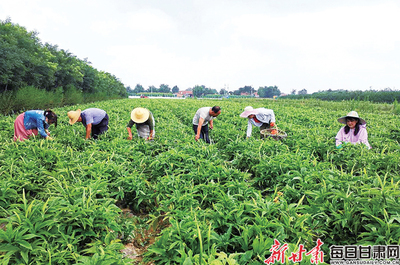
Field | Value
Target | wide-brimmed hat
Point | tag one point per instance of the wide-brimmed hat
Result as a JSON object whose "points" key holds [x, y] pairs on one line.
{"points": [[140, 115], [73, 116], [248, 111], [351, 114]]}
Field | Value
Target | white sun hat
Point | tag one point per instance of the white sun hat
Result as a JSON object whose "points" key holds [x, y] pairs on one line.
{"points": [[351, 114], [248, 111]]}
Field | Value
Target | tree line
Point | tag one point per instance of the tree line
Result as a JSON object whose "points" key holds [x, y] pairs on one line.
{"points": [[385, 96], [152, 89], [203, 91], [28, 67]]}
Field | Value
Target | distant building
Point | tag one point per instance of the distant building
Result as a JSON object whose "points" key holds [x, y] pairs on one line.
{"points": [[186, 94], [255, 94]]}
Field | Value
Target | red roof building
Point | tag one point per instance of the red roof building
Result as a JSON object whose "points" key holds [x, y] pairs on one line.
{"points": [[184, 94]]}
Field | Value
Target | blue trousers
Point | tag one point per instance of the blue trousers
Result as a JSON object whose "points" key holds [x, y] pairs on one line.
{"points": [[203, 132]]}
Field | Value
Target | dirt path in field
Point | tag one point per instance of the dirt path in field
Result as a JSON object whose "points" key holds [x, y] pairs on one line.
{"points": [[143, 239]]}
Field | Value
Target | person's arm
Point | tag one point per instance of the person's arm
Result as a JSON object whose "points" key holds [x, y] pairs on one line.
{"points": [[201, 121], [211, 124], [48, 135], [129, 129], [151, 126], [249, 128], [88, 130], [272, 118], [40, 128], [339, 138], [129, 133], [150, 135], [364, 137]]}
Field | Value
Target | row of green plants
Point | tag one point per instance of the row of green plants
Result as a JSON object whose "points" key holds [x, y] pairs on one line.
{"points": [[61, 201]]}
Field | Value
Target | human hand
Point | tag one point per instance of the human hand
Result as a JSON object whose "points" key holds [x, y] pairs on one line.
{"points": [[197, 137], [149, 138], [129, 137]]}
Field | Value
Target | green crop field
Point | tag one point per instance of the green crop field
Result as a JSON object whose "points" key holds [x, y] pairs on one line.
{"points": [[178, 201]]}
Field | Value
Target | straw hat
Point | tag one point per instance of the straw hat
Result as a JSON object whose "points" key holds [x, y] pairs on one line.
{"points": [[351, 114], [248, 111], [74, 116], [140, 115]]}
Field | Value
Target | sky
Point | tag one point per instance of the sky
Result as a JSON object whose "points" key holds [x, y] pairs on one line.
{"points": [[292, 44]]}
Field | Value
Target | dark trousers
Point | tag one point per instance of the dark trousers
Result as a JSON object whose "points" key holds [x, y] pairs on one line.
{"points": [[100, 128], [203, 132]]}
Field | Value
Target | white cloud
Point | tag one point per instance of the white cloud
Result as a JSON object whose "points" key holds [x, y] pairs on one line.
{"points": [[313, 44], [149, 21]]}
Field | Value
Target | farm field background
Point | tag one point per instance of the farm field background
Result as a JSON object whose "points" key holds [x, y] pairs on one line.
{"points": [[63, 201]]}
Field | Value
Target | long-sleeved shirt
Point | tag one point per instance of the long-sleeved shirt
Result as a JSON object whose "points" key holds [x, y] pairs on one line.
{"points": [[264, 116], [34, 119], [361, 137]]}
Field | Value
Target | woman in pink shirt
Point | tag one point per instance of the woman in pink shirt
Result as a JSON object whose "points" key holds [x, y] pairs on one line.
{"points": [[354, 132]]}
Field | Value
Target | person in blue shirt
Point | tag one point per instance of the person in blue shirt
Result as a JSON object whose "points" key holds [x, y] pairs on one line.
{"points": [[34, 122], [95, 121]]}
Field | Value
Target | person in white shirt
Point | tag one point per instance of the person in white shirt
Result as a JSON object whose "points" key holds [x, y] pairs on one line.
{"points": [[201, 119], [261, 117]]}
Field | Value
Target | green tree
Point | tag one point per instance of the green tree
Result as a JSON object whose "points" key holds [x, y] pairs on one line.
{"points": [[198, 91], [302, 92], [223, 91], [212, 91], [26, 62], [175, 89], [16, 49], [246, 89], [138, 88], [164, 89], [90, 80], [68, 69], [152, 89], [269, 92]]}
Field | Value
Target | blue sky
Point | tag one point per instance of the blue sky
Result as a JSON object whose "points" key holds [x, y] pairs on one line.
{"points": [[293, 44]]}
